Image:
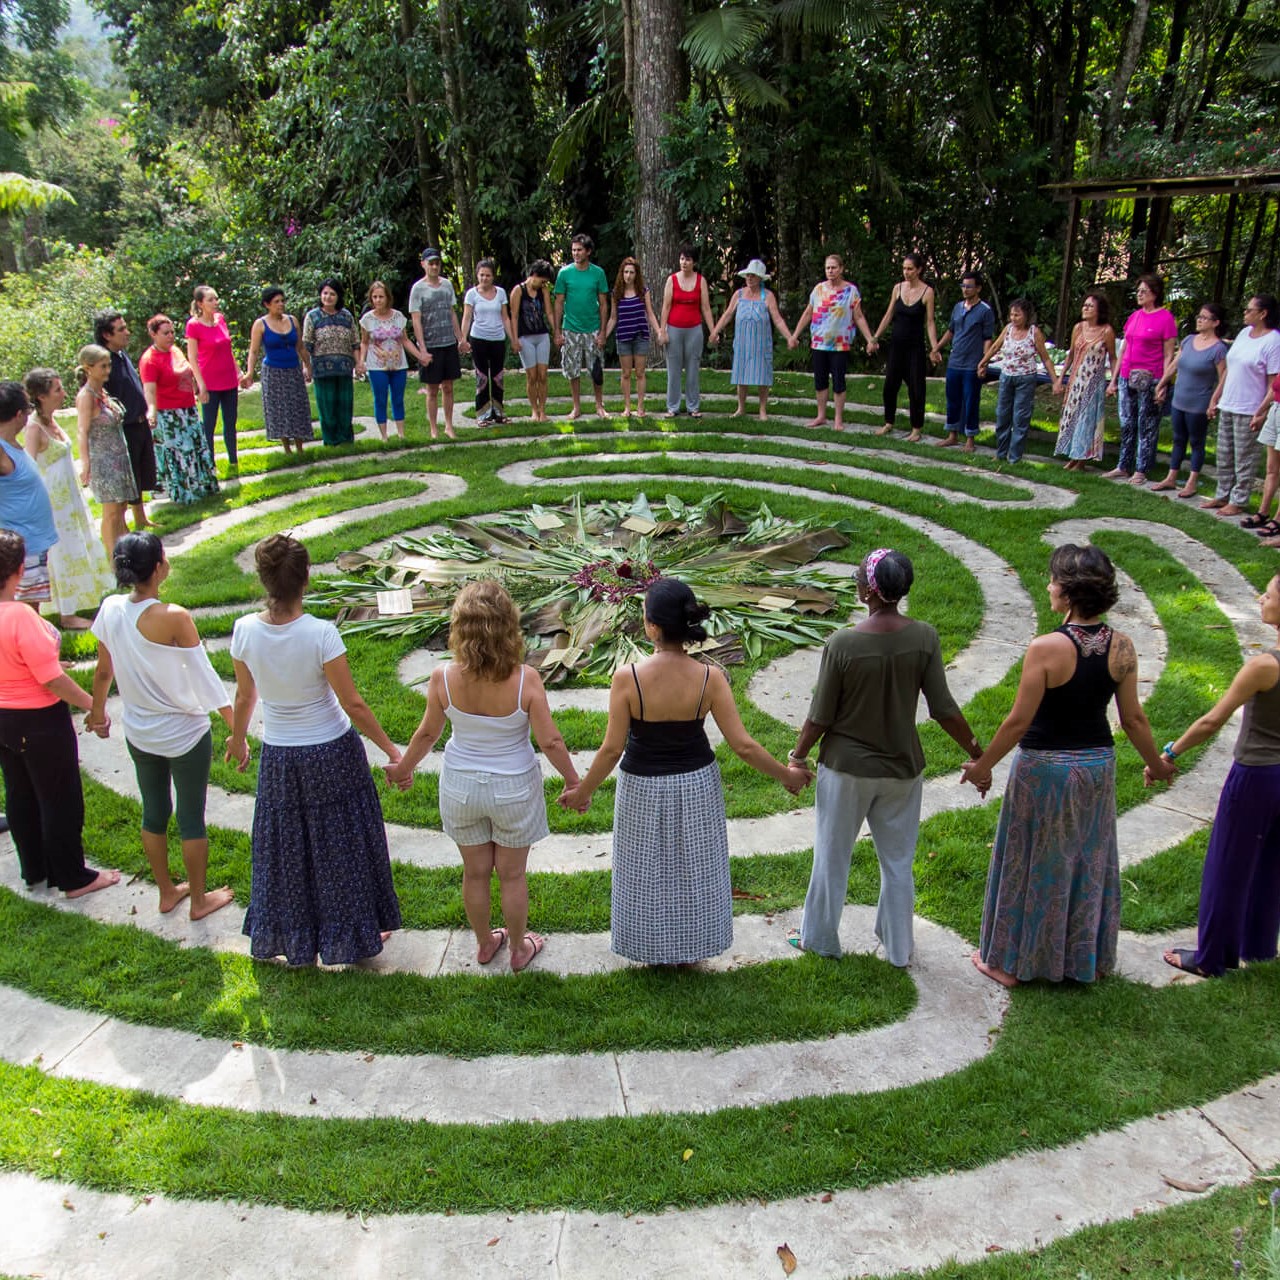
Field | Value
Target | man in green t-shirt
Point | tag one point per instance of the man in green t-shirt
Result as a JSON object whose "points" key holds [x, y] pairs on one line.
{"points": [[581, 312]]}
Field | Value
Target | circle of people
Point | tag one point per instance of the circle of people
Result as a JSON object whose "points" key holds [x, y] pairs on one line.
{"points": [[321, 882]]}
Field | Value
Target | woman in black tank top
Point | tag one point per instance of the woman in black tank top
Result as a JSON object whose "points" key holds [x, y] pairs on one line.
{"points": [[671, 900], [1052, 907], [910, 311], [1239, 914]]}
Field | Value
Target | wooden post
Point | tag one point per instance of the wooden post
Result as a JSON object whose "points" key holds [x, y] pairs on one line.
{"points": [[1224, 254], [1068, 257]]}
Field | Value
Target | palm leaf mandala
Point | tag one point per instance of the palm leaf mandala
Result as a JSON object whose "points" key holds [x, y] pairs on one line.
{"points": [[579, 572]]}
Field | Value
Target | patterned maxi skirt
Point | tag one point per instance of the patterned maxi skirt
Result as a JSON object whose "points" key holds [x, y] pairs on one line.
{"points": [[286, 407], [321, 881], [672, 902], [1052, 906], [1084, 412], [182, 455]]}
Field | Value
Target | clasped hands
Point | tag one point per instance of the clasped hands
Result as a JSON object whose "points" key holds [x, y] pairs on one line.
{"points": [[1165, 774]]}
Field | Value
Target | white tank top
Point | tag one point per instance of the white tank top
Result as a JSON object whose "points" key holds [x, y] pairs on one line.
{"points": [[167, 691], [488, 744]]}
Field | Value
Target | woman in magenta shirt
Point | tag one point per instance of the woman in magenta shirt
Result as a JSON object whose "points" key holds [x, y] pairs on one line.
{"points": [[217, 373], [1150, 338]]}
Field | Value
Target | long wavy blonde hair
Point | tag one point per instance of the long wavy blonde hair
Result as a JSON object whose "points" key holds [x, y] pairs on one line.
{"points": [[484, 631]]}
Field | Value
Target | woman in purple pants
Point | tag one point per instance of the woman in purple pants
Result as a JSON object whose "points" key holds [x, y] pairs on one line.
{"points": [[1240, 892]]}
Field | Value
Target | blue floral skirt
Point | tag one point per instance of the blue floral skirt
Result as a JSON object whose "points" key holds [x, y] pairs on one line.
{"points": [[321, 871], [1052, 908]]}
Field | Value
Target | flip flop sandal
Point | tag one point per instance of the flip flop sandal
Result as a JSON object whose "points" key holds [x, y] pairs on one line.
{"points": [[1186, 962], [1254, 522], [1268, 530], [501, 935], [536, 941]]}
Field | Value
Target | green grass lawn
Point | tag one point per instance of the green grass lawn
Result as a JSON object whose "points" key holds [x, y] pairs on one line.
{"points": [[1065, 1063]]}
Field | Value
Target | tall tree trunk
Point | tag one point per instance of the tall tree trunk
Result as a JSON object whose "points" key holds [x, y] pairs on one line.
{"points": [[1134, 34], [655, 82], [426, 172], [450, 21], [1251, 251], [1173, 59]]}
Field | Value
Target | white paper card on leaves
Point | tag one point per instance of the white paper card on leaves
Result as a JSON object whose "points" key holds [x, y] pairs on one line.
{"points": [[395, 603]]}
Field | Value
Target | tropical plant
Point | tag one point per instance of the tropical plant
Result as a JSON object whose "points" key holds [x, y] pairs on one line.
{"points": [[578, 572]]}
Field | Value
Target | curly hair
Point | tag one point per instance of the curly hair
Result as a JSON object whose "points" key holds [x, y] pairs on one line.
{"points": [[1086, 577], [284, 567], [13, 553], [484, 631]]}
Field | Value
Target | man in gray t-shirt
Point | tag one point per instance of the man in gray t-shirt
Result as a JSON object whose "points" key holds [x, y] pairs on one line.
{"points": [[433, 310]]}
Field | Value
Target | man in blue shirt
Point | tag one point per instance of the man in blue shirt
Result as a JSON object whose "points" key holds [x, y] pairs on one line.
{"points": [[973, 325], [24, 501]]}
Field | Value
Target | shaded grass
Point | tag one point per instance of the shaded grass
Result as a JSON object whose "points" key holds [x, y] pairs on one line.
{"points": [[1113, 1051]]}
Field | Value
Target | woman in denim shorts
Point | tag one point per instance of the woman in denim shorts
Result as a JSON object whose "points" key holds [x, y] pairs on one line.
{"points": [[491, 800]]}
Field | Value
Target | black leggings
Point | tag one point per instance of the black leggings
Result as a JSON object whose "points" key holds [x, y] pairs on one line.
{"points": [[489, 357], [229, 402], [905, 364]]}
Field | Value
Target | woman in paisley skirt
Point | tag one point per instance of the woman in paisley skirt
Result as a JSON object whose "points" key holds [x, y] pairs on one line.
{"points": [[168, 381], [79, 575], [1084, 413], [286, 370], [321, 882], [104, 455], [1052, 906]]}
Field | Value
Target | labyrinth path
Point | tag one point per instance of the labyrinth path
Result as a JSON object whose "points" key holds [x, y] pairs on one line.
{"points": [[85, 1053]]}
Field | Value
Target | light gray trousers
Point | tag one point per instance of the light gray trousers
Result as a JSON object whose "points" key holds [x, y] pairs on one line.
{"points": [[684, 353], [891, 808], [1237, 457]]}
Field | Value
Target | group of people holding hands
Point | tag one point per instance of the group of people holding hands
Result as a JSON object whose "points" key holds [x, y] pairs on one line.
{"points": [[322, 885]]}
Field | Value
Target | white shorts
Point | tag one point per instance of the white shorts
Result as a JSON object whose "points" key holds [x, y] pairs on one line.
{"points": [[506, 808], [535, 349], [1271, 427]]}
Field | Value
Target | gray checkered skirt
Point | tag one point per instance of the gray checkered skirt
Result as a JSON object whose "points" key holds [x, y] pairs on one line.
{"points": [[672, 902]]}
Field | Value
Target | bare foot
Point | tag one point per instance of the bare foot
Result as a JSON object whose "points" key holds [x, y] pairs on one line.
{"points": [[1163, 485], [1269, 542], [385, 935], [1187, 491], [949, 441], [103, 880], [886, 430], [737, 413], [214, 900], [575, 415], [1212, 504], [915, 437], [170, 900], [764, 417], [816, 422], [1115, 474], [435, 435], [968, 447], [497, 940], [990, 971], [533, 944], [838, 425], [1230, 510], [451, 433]]}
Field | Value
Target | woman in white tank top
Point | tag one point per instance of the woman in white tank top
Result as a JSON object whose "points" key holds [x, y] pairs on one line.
{"points": [[168, 688], [491, 799]]}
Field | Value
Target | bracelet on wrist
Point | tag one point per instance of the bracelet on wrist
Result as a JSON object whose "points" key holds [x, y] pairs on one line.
{"points": [[1167, 750]]}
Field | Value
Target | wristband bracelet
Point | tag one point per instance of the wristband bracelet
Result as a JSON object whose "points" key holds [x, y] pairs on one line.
{"points": [[1167, 750]]}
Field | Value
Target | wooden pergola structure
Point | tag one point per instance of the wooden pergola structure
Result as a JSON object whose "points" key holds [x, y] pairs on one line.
{"points": [[1102, 189]]}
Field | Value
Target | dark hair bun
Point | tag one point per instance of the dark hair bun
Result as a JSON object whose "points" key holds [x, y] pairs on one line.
{"points": [[673, 608], [135, 557]]}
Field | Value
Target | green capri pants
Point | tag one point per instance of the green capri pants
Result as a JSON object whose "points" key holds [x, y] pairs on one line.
{"points": [[190, 775]]}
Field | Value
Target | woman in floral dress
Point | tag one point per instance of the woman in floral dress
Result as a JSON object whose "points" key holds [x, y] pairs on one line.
{"points": [[104, 456], [168, 380], [1093, 356], [79, 573]]}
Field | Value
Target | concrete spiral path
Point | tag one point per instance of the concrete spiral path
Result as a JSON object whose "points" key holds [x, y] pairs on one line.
{"points": [[1018, 1202]]}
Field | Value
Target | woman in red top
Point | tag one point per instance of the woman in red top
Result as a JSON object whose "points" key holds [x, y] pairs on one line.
{"points": [[685, 305], [168, 381], [38, 757]]}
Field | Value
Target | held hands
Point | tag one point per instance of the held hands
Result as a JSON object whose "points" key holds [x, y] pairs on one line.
{"points": [[84, 474], [398, 775], [237, 753], [1166, 773], [799, 776], [575, 798], [873, 345], [102, 728], [792, 342], [980, 779]]}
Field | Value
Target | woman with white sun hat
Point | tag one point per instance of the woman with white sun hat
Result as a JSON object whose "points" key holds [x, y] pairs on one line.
{"points": [[752, 308]]}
